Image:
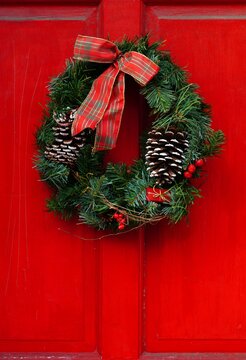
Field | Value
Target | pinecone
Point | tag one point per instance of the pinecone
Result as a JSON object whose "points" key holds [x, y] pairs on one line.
{"points": [[165, 155], [65, 148]]}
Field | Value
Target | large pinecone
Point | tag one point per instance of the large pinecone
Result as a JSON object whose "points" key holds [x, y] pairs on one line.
{"points": [[165, 155], [65, 148]]}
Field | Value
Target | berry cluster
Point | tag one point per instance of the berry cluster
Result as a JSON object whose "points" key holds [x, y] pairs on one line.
{"points": [[121, 220], [191, 169]]}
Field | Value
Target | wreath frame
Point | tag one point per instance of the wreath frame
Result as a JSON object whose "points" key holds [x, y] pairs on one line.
{"points": [[113, 195]]}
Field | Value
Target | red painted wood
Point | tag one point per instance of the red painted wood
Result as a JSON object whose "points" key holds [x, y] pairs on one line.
{"points": [[48, 276], [145, 356], [88, 15], [195, 273], [193, 2], [50, 356], [194, 356], [61, 294], [119, 294], [47, 2], [121, 257]]}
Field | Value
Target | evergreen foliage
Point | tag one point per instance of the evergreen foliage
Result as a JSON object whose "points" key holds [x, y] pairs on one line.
{"points": [[94, 191]]}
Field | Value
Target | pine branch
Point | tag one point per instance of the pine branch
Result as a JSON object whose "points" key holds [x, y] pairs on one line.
{"points": [[92, 219], [65, 201], [56, 174], [214, 142], [45, 135], [181, 196], [89, 164], [69, 89], [159, 96]]}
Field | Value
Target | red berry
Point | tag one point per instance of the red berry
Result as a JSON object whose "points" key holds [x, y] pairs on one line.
{"points": [[116, 216], [199, 162], [187, 174], [191, 168], [121, 227], [122, 221], [120, 216]]}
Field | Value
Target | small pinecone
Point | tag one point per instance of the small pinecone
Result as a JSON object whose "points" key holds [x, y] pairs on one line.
{"points": [[65, 148], [165, 155]]}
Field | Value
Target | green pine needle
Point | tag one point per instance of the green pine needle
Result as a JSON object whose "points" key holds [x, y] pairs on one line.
{"points": [[56, 174]]}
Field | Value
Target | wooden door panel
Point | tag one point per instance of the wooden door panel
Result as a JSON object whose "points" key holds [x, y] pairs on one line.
{"points": [[77, 296], [59, 293], [47, 274], [195, 272]]}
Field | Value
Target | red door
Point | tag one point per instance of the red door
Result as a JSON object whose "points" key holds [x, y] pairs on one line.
{"points": [[164, 289]]}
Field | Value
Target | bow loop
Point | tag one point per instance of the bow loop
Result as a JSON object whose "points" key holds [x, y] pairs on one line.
{"points": [[89, 48], [138, 66], [103, 107]]}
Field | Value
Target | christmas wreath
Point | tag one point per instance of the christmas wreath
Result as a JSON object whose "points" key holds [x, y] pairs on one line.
{"points": [[81, 124]]}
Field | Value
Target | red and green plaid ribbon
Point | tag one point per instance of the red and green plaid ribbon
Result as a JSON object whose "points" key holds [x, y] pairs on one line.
{"points": [[103, 107]]}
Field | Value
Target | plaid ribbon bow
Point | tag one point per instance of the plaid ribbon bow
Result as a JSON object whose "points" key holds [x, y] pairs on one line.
{"points": [[103, 107]]}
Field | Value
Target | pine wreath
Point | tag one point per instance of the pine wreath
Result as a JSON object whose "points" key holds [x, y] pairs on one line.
{"points": [[158, 185]]}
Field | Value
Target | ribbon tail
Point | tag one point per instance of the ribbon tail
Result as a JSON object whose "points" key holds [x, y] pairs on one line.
{"points": [[91, 111], [108, 129]]}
